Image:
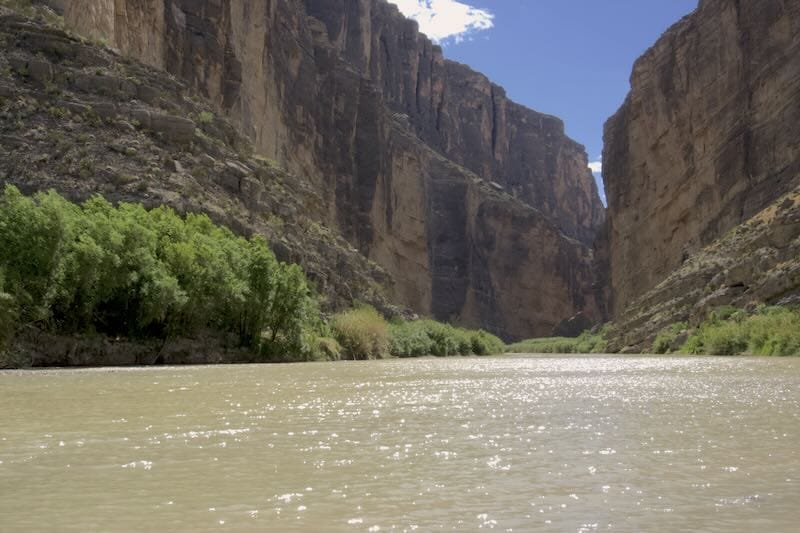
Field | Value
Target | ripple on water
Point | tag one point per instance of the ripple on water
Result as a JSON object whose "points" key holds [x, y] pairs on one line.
{"points": [[579, 444]]}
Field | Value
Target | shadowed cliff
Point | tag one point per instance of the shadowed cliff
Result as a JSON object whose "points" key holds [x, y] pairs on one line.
{"points": [[483, 211]]}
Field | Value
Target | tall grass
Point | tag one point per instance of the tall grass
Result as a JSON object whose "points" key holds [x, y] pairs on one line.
{"points": [[362, 333], [585, 343]]}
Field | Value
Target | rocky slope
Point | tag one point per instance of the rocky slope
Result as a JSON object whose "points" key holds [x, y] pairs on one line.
{"points": [[708, 137], [754, 263], [482, 211], [78, 118]]}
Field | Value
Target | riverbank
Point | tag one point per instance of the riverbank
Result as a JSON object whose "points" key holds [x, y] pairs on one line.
{"points": [[40, 349], [36, 349], [102, 284], [759, 330]]}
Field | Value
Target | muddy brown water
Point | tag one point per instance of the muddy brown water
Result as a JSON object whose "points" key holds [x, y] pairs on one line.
{"points": [[520, 443]]}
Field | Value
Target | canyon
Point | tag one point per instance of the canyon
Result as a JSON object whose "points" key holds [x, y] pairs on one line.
{"points": [[450, 200], [706, 141], [482, 211]]}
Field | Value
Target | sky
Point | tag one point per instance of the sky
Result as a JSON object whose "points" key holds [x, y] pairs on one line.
{"points": [[569, 58]]}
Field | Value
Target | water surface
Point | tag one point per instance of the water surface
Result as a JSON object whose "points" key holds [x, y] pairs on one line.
{"points": [[511, 444]]}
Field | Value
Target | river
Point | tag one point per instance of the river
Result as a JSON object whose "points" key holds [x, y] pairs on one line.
{"points": [[512, 444]]}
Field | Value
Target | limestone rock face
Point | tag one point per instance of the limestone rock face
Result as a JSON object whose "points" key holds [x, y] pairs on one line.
{"points": [[464, 116], [482, 210], [708, 136]]}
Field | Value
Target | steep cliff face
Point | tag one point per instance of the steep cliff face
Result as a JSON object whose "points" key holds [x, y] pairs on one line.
{"points": [[461, 114], [708, 136], [424, 165]]}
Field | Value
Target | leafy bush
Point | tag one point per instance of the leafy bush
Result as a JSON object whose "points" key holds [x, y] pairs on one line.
{"points": [[444, 338], [728, 331], [205, 117], [665, 340], [585, 343], [484, 343], [428, 337], [661, 344], [327, 349], [725, 338], [8, 314], [727, 312], [592, 342], [545, 345], [362, 333], [693, 346], [128, 271], [410, 339], [774, 331]]}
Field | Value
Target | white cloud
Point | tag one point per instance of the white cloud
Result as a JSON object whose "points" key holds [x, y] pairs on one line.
{"points": [[442, 20], [596, 167]]}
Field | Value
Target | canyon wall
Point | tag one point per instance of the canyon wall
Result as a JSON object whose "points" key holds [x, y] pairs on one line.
{"points": [[708, 136], [482, 210]]}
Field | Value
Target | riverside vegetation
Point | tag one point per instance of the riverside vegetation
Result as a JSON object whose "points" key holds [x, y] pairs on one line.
{"points": [[586, 342], [364, 334], [766, 330], [126, 271]]}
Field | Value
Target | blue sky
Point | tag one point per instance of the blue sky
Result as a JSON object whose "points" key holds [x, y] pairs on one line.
{"points": [[569, 58]]}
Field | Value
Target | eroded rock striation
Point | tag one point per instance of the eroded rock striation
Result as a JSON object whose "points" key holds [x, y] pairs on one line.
{"points": [[756, 262], [483, 211], [708, 137]]}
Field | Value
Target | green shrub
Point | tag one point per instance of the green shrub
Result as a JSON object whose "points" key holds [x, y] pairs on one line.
{"points": [[444, 341], [664, 341], [428, 337], [591, 343], [725, 338], [410, 339], [327, 349], [726, 312], [729, 331], [774, 331], [484, 343], [128, 271], [291, 312], [31, 239], [693, 345], [8, 314], [544, 345], [585, 343], [205, 117], [362, 333]]}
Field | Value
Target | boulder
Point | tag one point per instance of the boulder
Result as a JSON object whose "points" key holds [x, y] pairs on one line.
{"points": [[174, 128]]}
